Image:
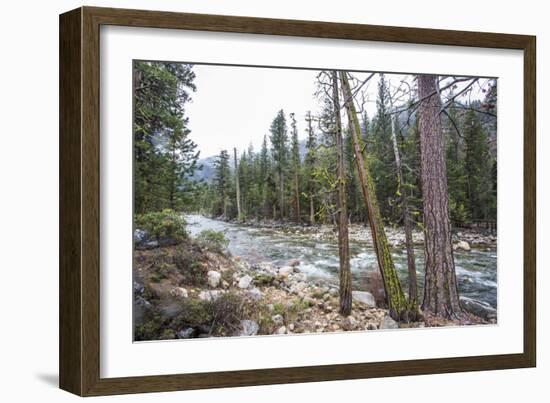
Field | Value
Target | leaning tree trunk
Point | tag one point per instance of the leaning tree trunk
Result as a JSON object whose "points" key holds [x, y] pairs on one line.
{"points": [[397, 303], [407, 223], [440, 287], [237, 190], [341, 206]]}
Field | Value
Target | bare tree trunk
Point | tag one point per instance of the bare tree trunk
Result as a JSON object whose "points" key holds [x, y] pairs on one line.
{"points": [[397, 302], [341, 206], [281, 193], [237, 190], [311, 210], [407, 224], [310, 185], [440, 287]]}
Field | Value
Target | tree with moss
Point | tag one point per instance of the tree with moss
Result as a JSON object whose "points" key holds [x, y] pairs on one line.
{"points": [[397, 303]]}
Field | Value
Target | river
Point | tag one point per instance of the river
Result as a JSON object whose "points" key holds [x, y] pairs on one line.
{"points": [[476, 270]]}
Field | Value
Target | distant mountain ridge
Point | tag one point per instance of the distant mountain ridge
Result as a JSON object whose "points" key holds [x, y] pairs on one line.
{"points": [[208, 170]]}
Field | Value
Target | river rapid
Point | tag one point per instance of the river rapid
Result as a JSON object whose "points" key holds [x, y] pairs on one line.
{"points": [[476, 270]]}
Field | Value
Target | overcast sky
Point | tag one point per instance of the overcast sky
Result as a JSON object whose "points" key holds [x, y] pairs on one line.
{"points": [[234, 106]]}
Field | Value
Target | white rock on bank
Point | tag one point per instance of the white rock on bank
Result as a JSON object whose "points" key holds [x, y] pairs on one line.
{"points": [[210, 295], [364, 297], [214, 278], [245, 281], [281, 330], [179, 292], [462, 245], [285, 271], [250, 328]]}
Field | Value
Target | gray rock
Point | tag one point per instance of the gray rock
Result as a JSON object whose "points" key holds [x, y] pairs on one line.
{"points": [[293, 262], [179, 292], [138, 288], [388, 323], [250, 328], [349, 323], [364, 297], [210, 295], [277, 319], [297, 288], [214, 278], [245, 281], [185, 333], [255, 294], [267, 267], [479, 308], [281, 330], [285, 271], [140, 236]]}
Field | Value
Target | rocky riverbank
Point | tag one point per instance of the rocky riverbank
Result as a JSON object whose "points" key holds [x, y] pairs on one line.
{"points": [[463, 239], [228, 297], [193, 290]]}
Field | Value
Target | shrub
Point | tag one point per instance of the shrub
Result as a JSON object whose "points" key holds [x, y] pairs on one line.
{"points": [[188, 259], [164, 226], [218, 317], [213, 240]]}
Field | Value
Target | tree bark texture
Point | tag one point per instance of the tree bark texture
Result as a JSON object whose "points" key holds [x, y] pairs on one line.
{"points": [[341, 206], [440, 287], [397, 302]]}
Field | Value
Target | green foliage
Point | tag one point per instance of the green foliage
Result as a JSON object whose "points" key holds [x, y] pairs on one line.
{"points": [[148, 329], [481, 194], [222, 183], [213, 240], [163, 225], [277, 178], [220, 316], [263, 279], [188, 261], [279, 152], [165, 157]]}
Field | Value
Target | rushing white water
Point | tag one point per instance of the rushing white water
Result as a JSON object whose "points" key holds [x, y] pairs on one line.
{"points": [[476, 270]]}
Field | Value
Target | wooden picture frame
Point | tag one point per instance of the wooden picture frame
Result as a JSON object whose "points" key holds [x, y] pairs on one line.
{"points": [[79, 201]]}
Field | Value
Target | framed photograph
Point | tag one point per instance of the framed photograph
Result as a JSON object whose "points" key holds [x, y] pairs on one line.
{"points": [[249, 201]]}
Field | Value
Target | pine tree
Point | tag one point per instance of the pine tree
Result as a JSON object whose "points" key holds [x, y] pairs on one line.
{"points": [[381, 152], [165, 157], [222, 183], [478, 167], [440, 285], [279, 143]]}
